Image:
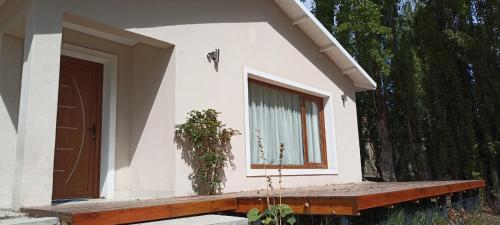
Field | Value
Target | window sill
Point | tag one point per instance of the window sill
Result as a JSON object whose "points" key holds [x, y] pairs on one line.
{"points": [[290, 172], [288, 167]]}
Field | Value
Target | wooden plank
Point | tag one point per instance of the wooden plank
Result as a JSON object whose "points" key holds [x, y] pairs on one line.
{"points": [[324, 204], [394, 197], [305, 205], [118, 213], [167, 211], [333, 206], [347, 199]]}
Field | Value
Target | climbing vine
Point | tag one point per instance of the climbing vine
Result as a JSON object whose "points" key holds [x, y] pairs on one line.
{"points": [[205, 142]]}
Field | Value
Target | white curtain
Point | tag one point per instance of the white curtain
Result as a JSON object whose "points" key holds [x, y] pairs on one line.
{"points": [[313, 133], [276, 114]]}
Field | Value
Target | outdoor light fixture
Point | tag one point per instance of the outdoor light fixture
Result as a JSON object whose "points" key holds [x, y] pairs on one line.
{"points": [[344, 98], [214, 56]]}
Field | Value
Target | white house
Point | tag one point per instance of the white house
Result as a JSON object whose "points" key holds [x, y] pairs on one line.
{"points": [[90, 92]]}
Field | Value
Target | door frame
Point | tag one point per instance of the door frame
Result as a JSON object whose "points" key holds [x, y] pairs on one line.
{"points": [[109, 98]]}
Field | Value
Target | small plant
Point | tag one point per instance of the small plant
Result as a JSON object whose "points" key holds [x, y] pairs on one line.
{"points": [[206, 147], [275, 213], [396, 218], [460, 216], [419, 217]]}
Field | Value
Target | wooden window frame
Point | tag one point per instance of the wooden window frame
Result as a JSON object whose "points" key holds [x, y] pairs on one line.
{"points": [[303, 97]]}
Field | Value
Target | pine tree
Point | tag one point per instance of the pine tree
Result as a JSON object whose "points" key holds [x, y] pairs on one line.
{"points": [[436, 111], [357, 24]]}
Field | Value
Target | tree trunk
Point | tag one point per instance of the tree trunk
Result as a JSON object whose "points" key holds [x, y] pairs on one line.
{"points": [[418, 146], [495, 183], [384, 161]]}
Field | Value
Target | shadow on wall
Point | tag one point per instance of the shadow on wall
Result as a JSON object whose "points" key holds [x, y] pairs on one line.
{"points": [[192, 161], [152, 109], [127, 14], [205, 143], [145, 104], [161, 14], [10, 76], [149, 78]]}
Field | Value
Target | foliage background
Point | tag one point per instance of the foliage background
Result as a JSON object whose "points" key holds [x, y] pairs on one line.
{"points": [[436, 112]]}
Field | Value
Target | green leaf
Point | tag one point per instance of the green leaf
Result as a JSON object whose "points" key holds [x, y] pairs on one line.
{"points": [[291, 220], [268, 220], [285, 210], [253, 215], [272, 211]]}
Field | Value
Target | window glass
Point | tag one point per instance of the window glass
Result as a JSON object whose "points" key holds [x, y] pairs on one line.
{"points": [[281, 116], [275, 115], [313, 132]]}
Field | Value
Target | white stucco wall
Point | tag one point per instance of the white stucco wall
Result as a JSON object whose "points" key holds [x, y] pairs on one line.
{"points": [[152, 166], [252, 33], [156, 88], [11, 61]]}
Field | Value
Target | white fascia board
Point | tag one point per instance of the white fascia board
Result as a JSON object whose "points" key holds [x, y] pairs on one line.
{"points": [[369, 83]]}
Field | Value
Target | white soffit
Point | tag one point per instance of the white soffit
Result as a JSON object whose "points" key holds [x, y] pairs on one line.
{"points": [[97, 29], [327, 44], [99, 34]]}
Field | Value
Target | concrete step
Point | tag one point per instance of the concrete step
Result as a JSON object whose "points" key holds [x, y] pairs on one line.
{"points": [[9, 214], [30, 221], [202, 220]]}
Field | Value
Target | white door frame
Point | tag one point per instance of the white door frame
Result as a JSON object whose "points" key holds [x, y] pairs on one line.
{"points": [[108, 140]]}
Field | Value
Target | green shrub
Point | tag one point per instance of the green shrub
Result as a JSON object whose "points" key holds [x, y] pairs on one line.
{"points": [[206, 148]]}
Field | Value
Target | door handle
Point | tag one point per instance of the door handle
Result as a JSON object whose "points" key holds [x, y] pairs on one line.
{"points": [[93, 131]]}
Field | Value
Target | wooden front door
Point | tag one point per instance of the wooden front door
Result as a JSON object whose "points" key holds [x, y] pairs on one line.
{"points": [[78, 133]]}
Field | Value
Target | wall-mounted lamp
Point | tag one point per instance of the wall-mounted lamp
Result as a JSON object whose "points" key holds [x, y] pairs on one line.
{"points": [[214, 56], [344, 99]]}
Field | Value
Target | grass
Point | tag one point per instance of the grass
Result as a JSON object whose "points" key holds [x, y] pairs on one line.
{"points": [[483, 219], [400, 217]]}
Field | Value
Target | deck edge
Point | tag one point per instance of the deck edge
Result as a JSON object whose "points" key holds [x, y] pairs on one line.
{"points": [[395, 197]]}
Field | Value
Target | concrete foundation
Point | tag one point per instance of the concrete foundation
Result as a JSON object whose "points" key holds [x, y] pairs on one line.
{"points": [[31, 221], [11, 217], [202, 220]]}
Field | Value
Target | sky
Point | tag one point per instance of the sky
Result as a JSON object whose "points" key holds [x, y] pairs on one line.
{"points": [[309, 4]]}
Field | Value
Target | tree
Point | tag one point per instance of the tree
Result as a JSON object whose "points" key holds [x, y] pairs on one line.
{"points": [[436, 111], [357, 24], [484, 60]]}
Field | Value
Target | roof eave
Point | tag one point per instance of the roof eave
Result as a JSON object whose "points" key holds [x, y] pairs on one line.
{"points": [[306, 21]]}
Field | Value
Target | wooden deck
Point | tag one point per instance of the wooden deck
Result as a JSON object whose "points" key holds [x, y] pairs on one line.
{"points": [[345, 199]]}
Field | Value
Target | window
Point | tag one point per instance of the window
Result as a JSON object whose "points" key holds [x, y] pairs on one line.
{"points": [[286, 116]]}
